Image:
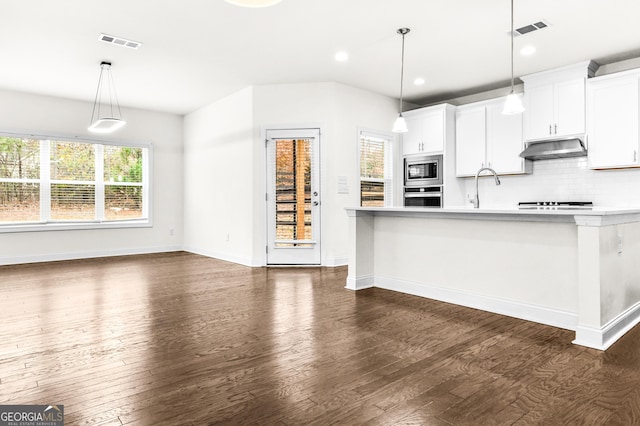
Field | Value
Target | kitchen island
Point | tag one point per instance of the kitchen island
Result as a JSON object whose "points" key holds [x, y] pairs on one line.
{"points": [[574, 269]]}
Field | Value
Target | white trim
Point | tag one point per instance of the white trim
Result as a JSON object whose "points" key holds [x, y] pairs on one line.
{"points": [[525, 311], [602, 338], [223, 256], [86, 255], [360, 283]]}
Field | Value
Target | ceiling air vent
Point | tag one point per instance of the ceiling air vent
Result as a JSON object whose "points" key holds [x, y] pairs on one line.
{"points": [[530, 28], [119, 41]]}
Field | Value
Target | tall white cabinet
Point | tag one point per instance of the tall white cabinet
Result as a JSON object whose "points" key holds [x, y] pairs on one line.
{"points": [[431, 131], [613, 120], [487, 138]]}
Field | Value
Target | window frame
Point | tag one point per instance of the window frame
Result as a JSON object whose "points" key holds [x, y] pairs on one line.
{"points": [[65, 225], [389, 165]]}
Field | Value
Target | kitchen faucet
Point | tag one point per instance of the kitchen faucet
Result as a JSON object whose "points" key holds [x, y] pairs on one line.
{"points": [[476, 200]]}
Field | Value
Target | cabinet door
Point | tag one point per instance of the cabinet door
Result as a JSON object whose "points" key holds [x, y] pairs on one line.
{"points": [[470, 141], [539, 112], [569, 108], [504, 141], [433, 131], [613, 122], [412, 139]]}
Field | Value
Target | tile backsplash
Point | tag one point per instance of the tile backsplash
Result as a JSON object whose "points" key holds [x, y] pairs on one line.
{"points": [[567, 179]]}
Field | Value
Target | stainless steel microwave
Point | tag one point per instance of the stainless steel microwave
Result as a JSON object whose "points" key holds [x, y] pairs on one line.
{"points": [[423, 171]]}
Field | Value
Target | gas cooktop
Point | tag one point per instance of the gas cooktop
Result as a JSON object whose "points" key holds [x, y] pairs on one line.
{"points": [[555, 205]]}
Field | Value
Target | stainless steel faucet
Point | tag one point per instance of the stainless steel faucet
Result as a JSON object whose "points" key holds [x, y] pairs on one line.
{"points": [[476, 200]]}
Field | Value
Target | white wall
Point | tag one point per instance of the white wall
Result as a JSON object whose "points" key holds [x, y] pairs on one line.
{"points": [[225, 165], [567, 179], [62, 117], [219, 201]]}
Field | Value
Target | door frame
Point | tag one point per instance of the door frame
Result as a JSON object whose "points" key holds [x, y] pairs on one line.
{"points": [[261, 248]]}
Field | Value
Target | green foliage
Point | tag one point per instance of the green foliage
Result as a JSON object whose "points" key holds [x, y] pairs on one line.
{"points": [[19, 158], [122, 164]]}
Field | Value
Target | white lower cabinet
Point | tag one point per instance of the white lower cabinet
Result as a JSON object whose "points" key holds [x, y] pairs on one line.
{"points": [[612, 120], [487, 138]]}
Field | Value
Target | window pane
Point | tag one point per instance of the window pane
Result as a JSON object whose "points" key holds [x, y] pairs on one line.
{"points": [[122, 164], [371, 158], [19, 202], [122, 202], [293, 191], [73, 202], [72, 161], [372, 194], [19, 158]]}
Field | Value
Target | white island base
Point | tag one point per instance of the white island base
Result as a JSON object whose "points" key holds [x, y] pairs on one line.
{"points": [[577, 270]]}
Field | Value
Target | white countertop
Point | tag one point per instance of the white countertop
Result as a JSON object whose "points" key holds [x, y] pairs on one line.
{"points": [[598, 216]]}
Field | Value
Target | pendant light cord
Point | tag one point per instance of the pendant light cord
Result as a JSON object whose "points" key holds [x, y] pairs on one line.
{"points": [[512, 79], [403, 32], [402, 69]]}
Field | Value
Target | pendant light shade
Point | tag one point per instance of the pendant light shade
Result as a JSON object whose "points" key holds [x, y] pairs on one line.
{"points": [[513, 103], [106, 116], [400, 126]]}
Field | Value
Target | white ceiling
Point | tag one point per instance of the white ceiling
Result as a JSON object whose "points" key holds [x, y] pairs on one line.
{"points": [[197, 51]]}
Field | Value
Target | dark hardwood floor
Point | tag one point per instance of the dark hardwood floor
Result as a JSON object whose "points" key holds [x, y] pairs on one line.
{"points": [[180, 339]]}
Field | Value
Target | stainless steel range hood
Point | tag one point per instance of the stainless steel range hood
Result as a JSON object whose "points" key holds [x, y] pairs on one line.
{"points": [[557, 148]]}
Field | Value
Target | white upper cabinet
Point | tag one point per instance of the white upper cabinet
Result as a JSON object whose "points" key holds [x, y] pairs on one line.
{"points": [[471, 140], [487, 138], [427, 130], [612, 116], [504, 141], [555, 102]]}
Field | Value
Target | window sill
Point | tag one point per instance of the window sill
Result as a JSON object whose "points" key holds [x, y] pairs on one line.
{"points": [[74, 226]]}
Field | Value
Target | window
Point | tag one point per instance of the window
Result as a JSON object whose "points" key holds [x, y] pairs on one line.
{"points": [[48, 183], [376, 170]]}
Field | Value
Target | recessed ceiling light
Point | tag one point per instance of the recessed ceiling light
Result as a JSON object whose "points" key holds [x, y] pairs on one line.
{"points": [[254, 3], [527, 50], [341, 56], [418, 81]]}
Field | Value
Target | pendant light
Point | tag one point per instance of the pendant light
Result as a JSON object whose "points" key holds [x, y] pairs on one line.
{"points": [[513, 103], [400, 126], [106, 117]]}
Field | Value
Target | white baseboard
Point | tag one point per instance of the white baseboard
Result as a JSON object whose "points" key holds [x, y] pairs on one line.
{"points": [[53, 257], [222, 256], [602, 338], [360, 283], [333, 262], [539, 314]]}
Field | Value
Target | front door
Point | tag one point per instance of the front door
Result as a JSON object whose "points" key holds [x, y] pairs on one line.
{"points": [[293, 197]]}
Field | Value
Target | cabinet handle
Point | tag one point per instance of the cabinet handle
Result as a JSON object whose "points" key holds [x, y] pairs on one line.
{"points": [[635, 155], [555, 129], [550, 129]]}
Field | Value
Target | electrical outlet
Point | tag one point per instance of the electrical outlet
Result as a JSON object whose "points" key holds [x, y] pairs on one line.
{"points": [[619, 244], [171, 232]]}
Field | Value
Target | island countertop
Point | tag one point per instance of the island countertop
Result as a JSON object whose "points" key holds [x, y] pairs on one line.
{"points": [[598, 216]]}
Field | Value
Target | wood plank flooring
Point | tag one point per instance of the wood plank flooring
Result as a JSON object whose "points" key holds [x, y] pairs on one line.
{"points": [[181, 339]]}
